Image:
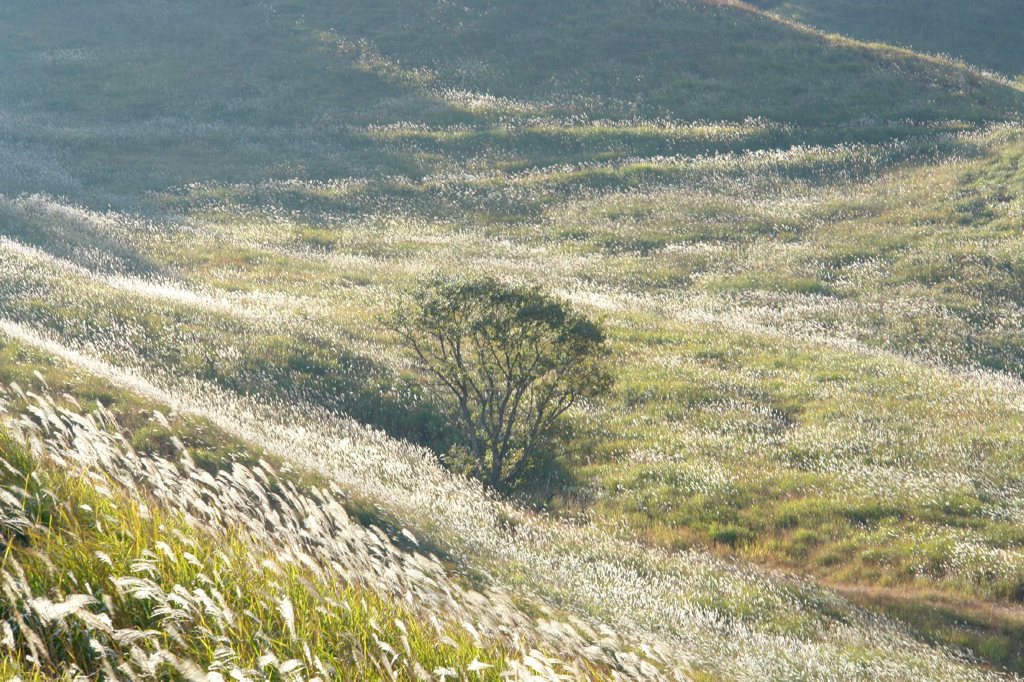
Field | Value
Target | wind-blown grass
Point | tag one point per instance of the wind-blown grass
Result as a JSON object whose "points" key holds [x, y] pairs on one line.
{"points": [[45, 291], [811, 278], [126, 565]]}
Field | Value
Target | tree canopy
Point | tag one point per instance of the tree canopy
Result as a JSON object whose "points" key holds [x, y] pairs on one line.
{"points": [[507, 361]]}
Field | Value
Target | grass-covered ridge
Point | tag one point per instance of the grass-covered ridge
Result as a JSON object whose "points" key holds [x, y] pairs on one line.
{"points": [[232, 92], [805, 248], [985, 33], [131, 565], [698, 60]]}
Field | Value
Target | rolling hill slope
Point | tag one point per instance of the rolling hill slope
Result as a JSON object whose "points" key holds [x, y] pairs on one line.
{"points": [[985, 33], [235, 91], [696, 60], [806, 250]]}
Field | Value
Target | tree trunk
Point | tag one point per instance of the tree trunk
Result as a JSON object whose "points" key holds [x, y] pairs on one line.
{"points": [[497, 462]]}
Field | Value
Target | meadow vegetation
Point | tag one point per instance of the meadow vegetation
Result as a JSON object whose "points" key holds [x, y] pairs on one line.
{"points": [[506, 362], [981, 33], [132, 566], [805, 250]]}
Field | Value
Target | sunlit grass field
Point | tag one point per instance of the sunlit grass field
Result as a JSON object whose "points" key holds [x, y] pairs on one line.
{"points": [[806, 251]]}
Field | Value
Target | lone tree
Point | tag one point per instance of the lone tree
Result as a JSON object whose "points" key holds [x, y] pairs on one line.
{"points": [[508, 361]]}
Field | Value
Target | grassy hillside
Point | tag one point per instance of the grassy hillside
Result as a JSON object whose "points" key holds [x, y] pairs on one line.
{"points": [[985, 33], [696, 60], [144, 544], [99, 580], [806, 250], [111, 99]]}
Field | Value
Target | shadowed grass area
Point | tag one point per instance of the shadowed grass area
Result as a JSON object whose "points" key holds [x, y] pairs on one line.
{"points": [[236, 92], [984, 33], [991, 632], [697, 60]]}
